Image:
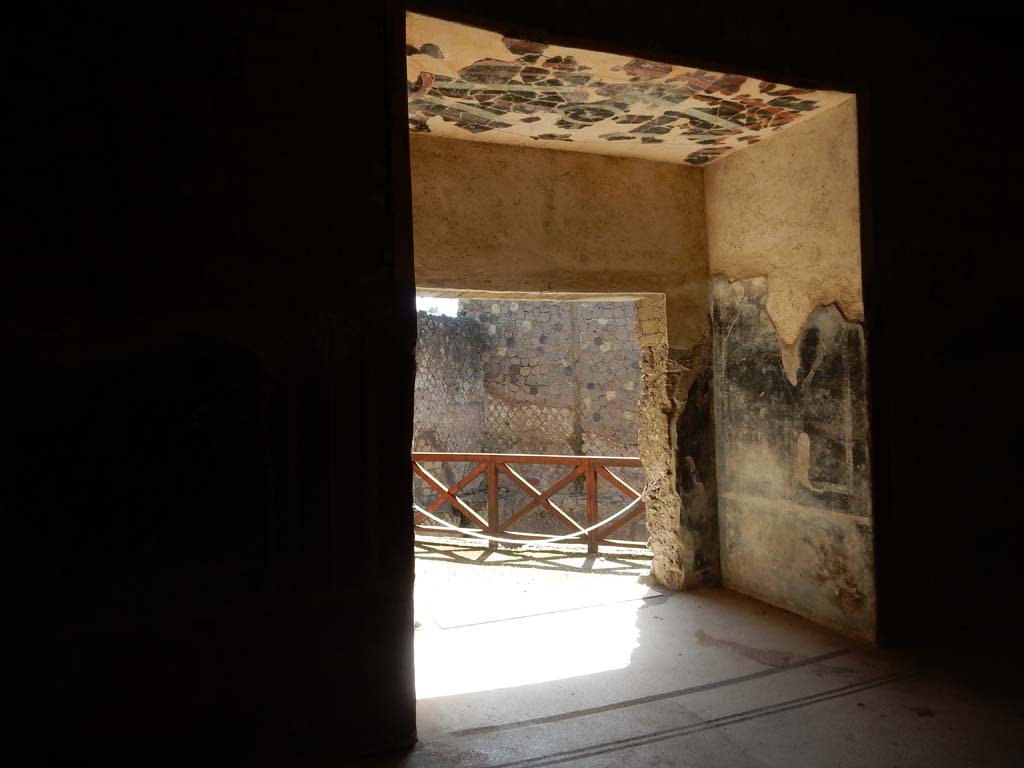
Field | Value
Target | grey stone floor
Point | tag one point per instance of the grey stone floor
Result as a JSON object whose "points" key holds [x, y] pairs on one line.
{"points": [[549, 659]]}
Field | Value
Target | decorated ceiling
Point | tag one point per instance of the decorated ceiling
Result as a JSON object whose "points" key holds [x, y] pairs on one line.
{"points": [[474, 84]]}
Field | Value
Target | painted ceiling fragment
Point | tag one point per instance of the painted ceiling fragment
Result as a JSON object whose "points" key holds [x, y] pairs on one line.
{"points": [[471, 83]]}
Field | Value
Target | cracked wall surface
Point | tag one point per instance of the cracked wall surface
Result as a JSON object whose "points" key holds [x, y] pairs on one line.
{"points": [[794, 492], [695, 462]]}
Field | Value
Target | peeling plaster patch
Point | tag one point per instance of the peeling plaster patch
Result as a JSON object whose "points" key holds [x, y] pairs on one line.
{"points": [[826, 408], [789, 211], [789, 359]]}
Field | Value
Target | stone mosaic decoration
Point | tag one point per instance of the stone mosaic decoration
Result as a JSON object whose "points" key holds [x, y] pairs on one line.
{"points": [[544, 377], [472, 83]]}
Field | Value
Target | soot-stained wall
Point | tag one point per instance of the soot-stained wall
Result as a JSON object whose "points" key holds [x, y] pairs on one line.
{"points": [[788, 210], [794, 500], [789, 374]]}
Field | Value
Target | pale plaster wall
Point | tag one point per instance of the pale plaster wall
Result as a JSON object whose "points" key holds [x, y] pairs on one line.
{"points": [[788, 210], [502, 218]]}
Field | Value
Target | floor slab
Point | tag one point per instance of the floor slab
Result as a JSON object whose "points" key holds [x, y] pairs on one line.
{"points": [[530, 659]]}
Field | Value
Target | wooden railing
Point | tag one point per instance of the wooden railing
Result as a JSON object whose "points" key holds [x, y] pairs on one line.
{"points": [[590, 468]]}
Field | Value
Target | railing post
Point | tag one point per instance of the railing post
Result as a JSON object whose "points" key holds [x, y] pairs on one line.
{"points": [[591, 507], [493, 521]]}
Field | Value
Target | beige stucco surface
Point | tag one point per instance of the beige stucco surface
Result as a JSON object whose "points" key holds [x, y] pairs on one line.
{"points": [[788, 209], [504, 218]]}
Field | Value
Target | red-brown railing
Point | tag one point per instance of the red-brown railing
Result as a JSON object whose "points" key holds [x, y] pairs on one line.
{"points": [[496, 464]]}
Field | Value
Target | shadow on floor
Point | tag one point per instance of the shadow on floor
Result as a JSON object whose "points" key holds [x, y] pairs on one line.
{"points": [[616, 562], [604, 673]]}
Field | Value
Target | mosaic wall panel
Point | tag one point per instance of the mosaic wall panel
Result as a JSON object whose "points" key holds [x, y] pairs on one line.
{"points": [[539, 377]]}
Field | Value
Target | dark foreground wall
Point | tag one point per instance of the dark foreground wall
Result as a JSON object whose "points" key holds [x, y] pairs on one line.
{"points": [[216, 479]]}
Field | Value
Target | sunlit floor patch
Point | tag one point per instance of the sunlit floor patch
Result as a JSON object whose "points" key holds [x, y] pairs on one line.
{"points": [[485, 628], [524, 652]]}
